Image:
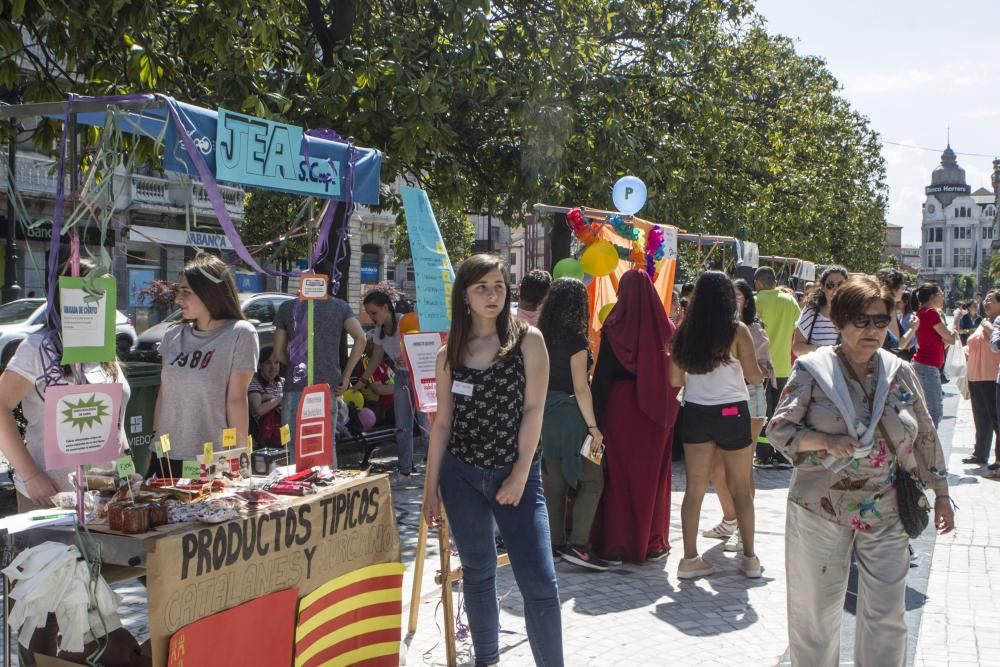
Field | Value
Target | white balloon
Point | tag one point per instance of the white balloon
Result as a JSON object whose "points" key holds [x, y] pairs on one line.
{"points": [[629, 195]]}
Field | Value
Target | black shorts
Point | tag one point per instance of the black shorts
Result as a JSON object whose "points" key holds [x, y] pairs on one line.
{"points": [[728, 425]]}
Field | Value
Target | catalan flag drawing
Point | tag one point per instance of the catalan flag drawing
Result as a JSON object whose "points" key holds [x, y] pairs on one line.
{"points": [[355, 619]]}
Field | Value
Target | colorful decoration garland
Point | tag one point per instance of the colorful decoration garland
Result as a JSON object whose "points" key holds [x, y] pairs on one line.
{"points": [[646, 248]]}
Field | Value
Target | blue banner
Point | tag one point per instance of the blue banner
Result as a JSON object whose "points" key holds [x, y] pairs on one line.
{"points": [[256, 137], [431, 264]]}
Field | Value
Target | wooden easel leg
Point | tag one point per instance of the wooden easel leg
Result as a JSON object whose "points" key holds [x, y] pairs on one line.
{"points": [[444, 536], [418, 573]]}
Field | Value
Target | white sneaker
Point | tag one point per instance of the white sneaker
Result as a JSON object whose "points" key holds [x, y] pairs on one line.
{"points": [[692, 568], [751, 567], [721, 531], [734, 543]]}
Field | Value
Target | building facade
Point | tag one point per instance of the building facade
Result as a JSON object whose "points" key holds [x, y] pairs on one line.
{"points": [[957, 229]]}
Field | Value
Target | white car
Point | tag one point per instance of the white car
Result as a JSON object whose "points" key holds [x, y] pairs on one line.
{"points": [[20, 318]]}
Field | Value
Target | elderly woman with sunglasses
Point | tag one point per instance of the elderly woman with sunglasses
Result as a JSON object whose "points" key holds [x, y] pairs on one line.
{"points": [[814, 328], [842, 500]]}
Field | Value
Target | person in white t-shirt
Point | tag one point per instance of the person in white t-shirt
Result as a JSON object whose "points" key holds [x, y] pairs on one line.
{"points": [[24, 381], [815, 329], [379, 304]]}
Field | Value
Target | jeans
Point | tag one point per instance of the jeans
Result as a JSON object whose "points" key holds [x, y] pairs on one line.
{"points": [[469, 496], [930, 380], [404, 401], [289, 413]]}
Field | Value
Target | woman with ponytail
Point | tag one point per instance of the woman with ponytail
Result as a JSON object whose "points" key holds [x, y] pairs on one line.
{"points": [[932, 336], [379, 304]]}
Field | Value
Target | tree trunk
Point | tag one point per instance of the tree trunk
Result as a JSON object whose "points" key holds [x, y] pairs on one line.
{"points": [[560, 237]]}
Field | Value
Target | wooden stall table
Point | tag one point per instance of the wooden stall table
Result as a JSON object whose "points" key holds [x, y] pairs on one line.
{"points": [[194, 570]]}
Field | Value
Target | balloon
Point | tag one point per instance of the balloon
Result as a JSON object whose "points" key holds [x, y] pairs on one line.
{"points": [[600, 258], [367, 418], [629, 195], [354, 397], [409, 323], [605, 310], [567, 268]]}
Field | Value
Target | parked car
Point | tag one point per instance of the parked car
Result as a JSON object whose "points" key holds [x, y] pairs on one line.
{"points": [[20, 318], [260, 310]]}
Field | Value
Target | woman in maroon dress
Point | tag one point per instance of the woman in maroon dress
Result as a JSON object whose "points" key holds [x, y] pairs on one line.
{"points": [[636, 408]]}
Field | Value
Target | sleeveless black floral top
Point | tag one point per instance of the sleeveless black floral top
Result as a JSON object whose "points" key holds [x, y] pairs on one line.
{"points": [[485, 425]]}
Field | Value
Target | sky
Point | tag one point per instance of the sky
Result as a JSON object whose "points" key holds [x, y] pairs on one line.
{"points": [[914, 69]]}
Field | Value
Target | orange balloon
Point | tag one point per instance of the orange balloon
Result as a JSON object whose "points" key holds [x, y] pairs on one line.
{"points": [[409, 323]]}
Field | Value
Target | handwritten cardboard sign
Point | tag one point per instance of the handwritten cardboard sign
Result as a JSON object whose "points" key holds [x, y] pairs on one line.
{"points": [[304, 544], [81, 424]]}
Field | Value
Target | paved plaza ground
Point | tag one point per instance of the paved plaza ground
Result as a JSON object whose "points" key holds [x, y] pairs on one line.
{"points": [[643, 615]]}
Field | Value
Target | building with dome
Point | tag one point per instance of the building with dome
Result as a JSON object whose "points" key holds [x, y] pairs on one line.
{"points": [[957, 229]]}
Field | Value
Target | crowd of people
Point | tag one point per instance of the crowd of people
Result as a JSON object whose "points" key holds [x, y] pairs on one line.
{"points": [[571, 457], [563, 441]]}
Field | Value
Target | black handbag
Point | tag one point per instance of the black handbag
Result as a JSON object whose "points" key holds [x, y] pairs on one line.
{"points": [[914, 510]]}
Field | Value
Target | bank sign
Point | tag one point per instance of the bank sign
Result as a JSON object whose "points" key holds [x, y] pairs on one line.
{"points": [[941, 189], [257, 152]]}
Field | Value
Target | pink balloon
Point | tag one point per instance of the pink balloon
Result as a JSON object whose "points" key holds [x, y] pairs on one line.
{"points": [[367, 418]]}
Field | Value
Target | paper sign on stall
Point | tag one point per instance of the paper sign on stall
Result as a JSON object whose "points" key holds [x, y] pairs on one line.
{"points": [[313, 286], [87, 319], [314, 432], [421, 351], [81, 424], [229, 437], [234, 462]]}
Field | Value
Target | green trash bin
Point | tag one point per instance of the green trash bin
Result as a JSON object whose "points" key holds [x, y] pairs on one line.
{"points": [[144, 380]]}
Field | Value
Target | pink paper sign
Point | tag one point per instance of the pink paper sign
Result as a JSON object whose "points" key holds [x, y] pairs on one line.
{"points": [[81, 424]]}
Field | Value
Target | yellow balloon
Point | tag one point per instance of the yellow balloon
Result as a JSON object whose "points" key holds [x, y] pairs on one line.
{"points": [[605, 310], [354, 396], [600, 258]]}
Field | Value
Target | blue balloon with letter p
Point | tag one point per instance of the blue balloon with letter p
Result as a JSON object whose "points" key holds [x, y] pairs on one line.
{"points": [[629, 195]]}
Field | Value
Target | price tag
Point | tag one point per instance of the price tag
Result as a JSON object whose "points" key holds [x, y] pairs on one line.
{"points": [[209, 452], [249, 444], [158, 449], [165, 443], [125, 466], [229, 437], [286, 435], [183, 481], [191, 469]]}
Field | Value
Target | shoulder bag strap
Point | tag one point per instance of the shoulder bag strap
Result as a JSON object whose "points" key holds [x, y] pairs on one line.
{"points": [[869, 397]]}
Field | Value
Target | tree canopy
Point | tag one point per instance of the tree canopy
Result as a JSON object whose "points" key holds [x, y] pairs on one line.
{"points": [[492, 106]]}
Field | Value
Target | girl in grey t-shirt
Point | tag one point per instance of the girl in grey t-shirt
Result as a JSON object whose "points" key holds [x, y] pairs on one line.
{"points": [[208, 362]]}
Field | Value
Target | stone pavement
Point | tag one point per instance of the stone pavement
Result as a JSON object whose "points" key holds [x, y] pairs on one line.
{"points": [[643, 615]]}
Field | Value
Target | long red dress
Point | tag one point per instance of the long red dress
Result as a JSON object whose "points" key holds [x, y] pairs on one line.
{"points": [[636, 409]]}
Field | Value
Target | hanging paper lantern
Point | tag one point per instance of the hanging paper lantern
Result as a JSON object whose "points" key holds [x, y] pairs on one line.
{"points": [[409, 323], [600, 258], [567, 268], [605, 310]]}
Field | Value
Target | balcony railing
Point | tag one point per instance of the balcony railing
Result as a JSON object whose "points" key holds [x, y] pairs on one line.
{"points": [[37, 175]]}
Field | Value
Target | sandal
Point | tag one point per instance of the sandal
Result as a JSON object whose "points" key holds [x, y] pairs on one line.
{"points": [[993, 474]]}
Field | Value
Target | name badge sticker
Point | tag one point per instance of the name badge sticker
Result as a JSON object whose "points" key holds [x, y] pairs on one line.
{"points": [[462, 388]]}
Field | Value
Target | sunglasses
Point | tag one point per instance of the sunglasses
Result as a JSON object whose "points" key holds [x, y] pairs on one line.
{"points": [[864, 321], [833, 285]]}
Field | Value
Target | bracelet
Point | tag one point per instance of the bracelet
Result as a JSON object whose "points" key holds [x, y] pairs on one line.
{"points": [[591, 428], [945, 497], [28, 479]]}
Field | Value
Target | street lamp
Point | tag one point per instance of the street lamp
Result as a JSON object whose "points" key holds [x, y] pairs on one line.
{"points": [[11, 290]]}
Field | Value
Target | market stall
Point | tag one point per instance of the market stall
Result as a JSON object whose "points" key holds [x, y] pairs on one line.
{"points": [[237, 531]]}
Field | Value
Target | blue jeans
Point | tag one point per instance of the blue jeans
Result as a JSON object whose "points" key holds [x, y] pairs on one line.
{"points": [[289, 413], [469, 496], [930, 380], [403, 404]]}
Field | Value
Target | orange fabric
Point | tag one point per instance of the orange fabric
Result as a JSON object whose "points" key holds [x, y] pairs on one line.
{"points": [[604, 290]]}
